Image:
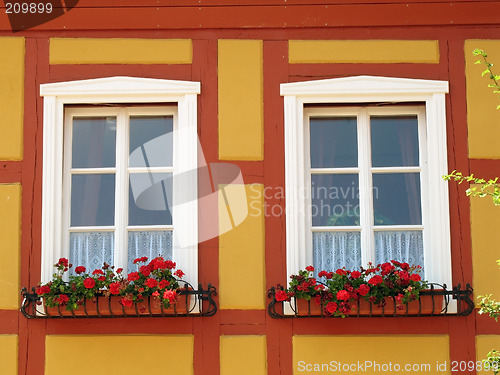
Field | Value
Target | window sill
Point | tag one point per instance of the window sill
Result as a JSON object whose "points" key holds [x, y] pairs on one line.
{"points": [[437, 301], [192, 303]]}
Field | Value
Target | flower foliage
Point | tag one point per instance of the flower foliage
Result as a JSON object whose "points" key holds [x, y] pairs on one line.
{"points": [[157, 278], [342, 289]]}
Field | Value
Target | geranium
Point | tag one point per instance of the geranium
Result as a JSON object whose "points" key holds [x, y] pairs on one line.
{"points": [[179, 273], [363, 290], [281, 295], [62, 299], [89, 283], [156, 279], [114, 288], [151, 283], [343, 289], [132, 276], [343, 295], [376, 280], [355, 274], [331, 307], [79, 270], [145, 270]]}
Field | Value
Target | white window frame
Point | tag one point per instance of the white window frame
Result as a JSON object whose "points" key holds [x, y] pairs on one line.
{"points": [[124, 90], [367, 89]]}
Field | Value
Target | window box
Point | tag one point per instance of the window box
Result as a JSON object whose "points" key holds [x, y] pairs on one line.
{"points": [[431, 302]]}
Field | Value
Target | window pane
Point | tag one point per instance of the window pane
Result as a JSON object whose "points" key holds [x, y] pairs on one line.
{"points": [[94, 142], [334, 250], [151, 143], [394, 141], [335, 200], [396, 199], [403, 246], [91, 249], [333, 142], [150, 199], [92, 199], [148, 244]]}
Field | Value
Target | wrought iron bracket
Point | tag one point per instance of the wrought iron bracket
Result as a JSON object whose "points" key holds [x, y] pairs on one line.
{"points": [[193, 303], [440, 296]]}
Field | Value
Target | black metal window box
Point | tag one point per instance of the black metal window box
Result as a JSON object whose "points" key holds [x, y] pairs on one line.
{"points": [[436, 301], [192, 303]]}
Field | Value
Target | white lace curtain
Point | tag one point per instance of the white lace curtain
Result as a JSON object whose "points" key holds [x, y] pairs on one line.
{"points": [[92, 249], [334, 250]]}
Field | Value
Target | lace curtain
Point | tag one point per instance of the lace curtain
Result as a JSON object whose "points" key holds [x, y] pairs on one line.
{"points": [[404, 246], [148, 244], [92, 249], [334, 250]]}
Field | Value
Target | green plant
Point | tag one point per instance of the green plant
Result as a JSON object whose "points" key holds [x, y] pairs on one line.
{"points": [[492, 362], [488, 71], [485, 188]]}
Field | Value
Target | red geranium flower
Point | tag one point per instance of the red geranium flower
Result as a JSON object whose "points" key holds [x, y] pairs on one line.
{"points": [[151, 283], [343, 295], [331, 307], [140, 260], [375, 280], [114, 288], [341, 272], [43, 290], [356, 274], [62, 299], [179, 274], [363, 289], [281, 295], [79, 270], [171, 295], [415, 277], [126, 302], [89, 283], [163, 284], [310, 268], [98, 272], [132, 276], [145, 270]]}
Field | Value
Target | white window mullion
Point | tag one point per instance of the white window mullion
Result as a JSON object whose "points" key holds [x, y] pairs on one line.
{"points": [[121, 189], [365, 188], [68, 137]]}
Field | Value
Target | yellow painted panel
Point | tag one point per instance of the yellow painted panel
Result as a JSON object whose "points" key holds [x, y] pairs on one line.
{"points": [[243, 355], [485, 221], [240, 78], [119, 354], [373, 354], [241, 254], [363, 51], [8, 354], [10, 233], [11, 97], [485, 343], [483, 118], [120, 51]]}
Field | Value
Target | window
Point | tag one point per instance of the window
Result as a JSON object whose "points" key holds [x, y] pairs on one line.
{"points": [[118, 167], [364, 160], [120, 175]]}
